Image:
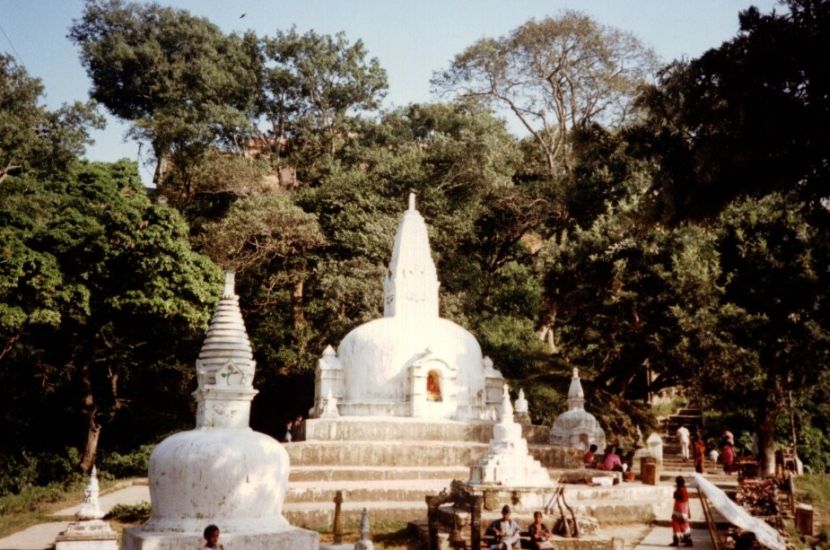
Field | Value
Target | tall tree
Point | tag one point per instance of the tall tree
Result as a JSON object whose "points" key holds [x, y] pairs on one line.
{"points": [[99, 288], [184, 84], [746, 118], [554, 76], [32, 138], [313, 87]]}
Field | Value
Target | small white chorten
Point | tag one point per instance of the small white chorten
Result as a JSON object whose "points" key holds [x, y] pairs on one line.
{"points": [[365, 542], [577, 428], [521, 409], [89, 532], [508, 462], [222, 472], [411, 362]]}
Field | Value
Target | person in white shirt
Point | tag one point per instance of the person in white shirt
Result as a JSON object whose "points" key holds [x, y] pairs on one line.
{"points": [[506, 531], [683, 436]]}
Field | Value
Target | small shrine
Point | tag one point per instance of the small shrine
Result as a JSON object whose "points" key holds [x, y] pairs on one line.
{"points": [[411, 362], [89, 532], [222, 472], [508, 462], [576, 428]]}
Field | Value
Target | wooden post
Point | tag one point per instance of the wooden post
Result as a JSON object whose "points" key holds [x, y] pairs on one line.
{"points": [[337, 526]]}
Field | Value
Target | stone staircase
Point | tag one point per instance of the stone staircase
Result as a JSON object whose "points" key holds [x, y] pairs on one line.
{"points": [[388, 466]]}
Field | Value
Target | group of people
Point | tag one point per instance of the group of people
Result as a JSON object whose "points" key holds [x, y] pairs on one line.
{"points": [[506, 532], [611, 460], [726, 454]]}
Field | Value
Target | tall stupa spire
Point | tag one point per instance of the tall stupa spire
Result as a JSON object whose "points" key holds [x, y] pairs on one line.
{"points": [[225, 367], [576, 396], [411, 285]]}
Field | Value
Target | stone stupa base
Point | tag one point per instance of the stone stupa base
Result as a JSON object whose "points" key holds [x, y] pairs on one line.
{"points": [[292, 538], [92, 534]]}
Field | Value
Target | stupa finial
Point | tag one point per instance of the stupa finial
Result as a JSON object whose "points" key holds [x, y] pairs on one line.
{"points": [[411, 200], [506, 406], [576, 396], [230, 281]]}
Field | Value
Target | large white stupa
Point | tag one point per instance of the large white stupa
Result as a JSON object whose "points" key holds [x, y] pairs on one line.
{"points": [[222, 472], [411, 362]]}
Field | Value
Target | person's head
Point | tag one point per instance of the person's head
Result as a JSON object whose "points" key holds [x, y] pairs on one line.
{"points": [[592, 448], [679, 481], [211, 534], [505, 512], [537, 517]]}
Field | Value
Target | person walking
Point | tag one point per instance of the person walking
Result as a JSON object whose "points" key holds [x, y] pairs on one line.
{"points": [[683, 436], [699, 453], [681, 531]]}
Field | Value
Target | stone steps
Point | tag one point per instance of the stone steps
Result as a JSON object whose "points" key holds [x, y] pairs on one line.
{"points": [[315, 515], [358, 491], [301, 473], [408, 429], [409, 453]]}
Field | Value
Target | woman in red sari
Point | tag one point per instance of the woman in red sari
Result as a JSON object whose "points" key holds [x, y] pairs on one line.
{"points": [[680, 515]]}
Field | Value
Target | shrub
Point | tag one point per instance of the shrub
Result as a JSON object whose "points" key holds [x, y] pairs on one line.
{"points": [[130, 513], [133, 464]]}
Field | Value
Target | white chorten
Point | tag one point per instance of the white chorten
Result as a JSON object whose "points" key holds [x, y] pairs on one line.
{"points": [[508, 462], [410, 362], [89, 532], [576, 428], [222, 472]]}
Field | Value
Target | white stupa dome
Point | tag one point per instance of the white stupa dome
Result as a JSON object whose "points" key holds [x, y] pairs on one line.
{"points": [[576, 427], [410, 362]]}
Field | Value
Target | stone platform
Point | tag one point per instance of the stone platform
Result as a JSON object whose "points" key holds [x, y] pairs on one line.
{"points": [[289, 539]]}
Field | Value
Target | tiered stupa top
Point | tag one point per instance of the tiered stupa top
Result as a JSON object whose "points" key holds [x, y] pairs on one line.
{"points": [[221, 472], [376, 356]]}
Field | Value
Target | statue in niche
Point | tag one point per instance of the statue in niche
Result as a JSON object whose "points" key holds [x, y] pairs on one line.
{"points": [[433, 386]]}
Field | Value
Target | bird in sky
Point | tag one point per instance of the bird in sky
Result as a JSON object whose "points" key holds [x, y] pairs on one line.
{"points": [[243, 15]]}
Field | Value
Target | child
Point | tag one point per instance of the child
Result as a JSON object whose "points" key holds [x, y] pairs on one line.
{"points": [[211, 535]]}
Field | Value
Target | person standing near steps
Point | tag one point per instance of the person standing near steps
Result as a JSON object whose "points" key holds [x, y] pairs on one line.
{"points": [[683, 437], [681, 531]]}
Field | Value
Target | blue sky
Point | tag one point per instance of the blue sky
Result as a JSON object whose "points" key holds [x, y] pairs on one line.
{"points": [[411, 39]]}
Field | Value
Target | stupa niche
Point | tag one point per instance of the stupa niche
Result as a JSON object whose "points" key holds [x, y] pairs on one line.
{"points": [[222, 472], [576, 428], [411, 362]]}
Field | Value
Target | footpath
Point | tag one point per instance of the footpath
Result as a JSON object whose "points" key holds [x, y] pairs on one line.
{"points": [[42, 535]]}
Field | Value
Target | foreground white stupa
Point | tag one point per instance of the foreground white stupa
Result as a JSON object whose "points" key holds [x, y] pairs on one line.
{"points": [[411, 362], [576, 427], [222, 472], [508, 462]]}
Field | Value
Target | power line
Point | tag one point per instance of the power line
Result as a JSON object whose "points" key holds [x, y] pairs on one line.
{"points": [[14, 50]]}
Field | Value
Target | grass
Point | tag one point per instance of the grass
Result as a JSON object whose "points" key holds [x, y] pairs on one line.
{"points": [[815, 489], [35, 505]]}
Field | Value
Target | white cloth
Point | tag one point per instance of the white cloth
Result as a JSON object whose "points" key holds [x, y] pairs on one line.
{"points": [[683, 435]]}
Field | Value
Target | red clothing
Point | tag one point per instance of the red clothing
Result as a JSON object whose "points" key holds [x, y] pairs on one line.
{"points": [[588, 459], [680, 512]]}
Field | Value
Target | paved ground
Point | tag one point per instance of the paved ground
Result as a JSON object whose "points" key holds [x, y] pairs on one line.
{"points": [[660, 534], [41, 536]]}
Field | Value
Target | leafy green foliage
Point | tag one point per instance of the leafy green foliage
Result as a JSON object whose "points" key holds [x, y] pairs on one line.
{"points": [[185, 84], [131, 513]]}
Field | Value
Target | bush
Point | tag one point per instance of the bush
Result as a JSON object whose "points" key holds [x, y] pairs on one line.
{"points": [[27, 470], [133, 464], [130, 513]]}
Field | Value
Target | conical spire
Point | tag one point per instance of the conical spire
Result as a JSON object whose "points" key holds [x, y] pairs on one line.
{"points": [[225, 367], [506, 407], [576, 397], [411, 286]]}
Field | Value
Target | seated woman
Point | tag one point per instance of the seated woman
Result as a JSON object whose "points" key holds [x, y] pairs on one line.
{"points": [[539, 534], [612, 460]]}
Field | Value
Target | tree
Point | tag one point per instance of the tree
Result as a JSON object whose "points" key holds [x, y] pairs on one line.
{"points": [[775, 316], [745, 119], [184, 84], [99, 290], [313, 87], [554, 76], [32, 137]]}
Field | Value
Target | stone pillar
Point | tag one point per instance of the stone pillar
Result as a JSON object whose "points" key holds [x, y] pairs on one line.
{"points": [[417, 380]]}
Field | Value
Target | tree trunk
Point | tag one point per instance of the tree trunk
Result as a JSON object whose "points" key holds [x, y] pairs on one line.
{"points": [[297, 310], [766, 441], [93, 432]]}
